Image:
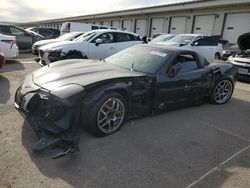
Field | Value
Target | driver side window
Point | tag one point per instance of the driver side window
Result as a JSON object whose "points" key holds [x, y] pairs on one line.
{"points": [[106, 38], [182, 64]]}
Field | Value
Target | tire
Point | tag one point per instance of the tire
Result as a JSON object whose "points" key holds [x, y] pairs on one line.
{"points": [[217, 56], [107, 115], [222, 91]]}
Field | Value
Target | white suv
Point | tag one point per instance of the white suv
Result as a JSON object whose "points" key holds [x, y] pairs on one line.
{"points": [[208, 46], [96, 44]]}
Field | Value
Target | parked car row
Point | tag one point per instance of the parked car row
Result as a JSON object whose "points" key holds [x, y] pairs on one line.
{"points": [[208, 46], [96, 44], [24, 39], [66, 37]]}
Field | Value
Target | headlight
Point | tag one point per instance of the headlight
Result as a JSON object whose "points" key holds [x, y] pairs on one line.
{"points": [[230, 59], [68, 93]]}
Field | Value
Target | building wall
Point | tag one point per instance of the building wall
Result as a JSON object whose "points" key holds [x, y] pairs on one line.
{"points": [[218, 27]]}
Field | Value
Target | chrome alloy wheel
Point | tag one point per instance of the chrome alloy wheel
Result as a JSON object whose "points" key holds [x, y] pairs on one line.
{"points": [[223, 91], [111, 115]]}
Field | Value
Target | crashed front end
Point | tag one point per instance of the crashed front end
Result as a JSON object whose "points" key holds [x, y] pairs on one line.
{"points": [[53, 115], [47, 57]]}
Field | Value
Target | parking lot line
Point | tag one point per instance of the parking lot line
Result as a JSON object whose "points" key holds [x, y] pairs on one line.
{"points": [[223, 130], [218, 167]]}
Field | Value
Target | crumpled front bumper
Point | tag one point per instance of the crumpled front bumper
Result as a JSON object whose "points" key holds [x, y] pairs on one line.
{"points": [[55, 132]]}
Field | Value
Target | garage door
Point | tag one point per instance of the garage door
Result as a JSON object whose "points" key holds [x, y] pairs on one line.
{"points": [[141, 25], [178, 25], [235, 25], [97, 23], [116, 24], [204, 24], [107, 23], [157, 25], [128, 25]]}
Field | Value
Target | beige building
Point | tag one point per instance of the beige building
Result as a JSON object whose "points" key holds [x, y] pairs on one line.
{"points": [[228, 18]]}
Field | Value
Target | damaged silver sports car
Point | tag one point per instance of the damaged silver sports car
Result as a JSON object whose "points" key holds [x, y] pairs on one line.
{"points": [[242, 59], [101, 95]]}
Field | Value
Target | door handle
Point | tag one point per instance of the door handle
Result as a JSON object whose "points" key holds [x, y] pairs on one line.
{"points": [[111, 48]]}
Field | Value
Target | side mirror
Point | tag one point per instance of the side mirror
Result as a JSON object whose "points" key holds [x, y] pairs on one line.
{"points": [[177, 68], [174, 70], [98, 41]]}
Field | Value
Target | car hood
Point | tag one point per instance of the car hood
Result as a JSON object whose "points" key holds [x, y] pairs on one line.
{"points": [[76, 71], [244, 41], [60, 45], [242, 60], [44, 42]]}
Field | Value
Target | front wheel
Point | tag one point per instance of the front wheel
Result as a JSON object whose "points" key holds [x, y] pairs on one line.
{"points": [[222, 91], [107, 115]]}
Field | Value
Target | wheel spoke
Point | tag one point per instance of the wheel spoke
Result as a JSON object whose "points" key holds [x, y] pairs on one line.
{"points": [[103, 125], [105, 113]]}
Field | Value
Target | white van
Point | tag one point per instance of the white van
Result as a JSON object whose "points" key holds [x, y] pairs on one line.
{"points": [[68, 27]]}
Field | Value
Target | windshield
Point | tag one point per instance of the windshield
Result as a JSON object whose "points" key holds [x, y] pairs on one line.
{"points": [[181, 39], [85, 37], [140, 59], [162, 38]]}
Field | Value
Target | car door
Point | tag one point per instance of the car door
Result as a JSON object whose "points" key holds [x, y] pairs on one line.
{"points": [[24, 39], [103, 49], [188, 82], [207, 46]]}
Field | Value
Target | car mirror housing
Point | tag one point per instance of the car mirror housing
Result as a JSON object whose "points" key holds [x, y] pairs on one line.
{"points": [[177, 68], [98, 41]]}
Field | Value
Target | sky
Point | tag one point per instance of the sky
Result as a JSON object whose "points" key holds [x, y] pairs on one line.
{"points": [[34, 10]]}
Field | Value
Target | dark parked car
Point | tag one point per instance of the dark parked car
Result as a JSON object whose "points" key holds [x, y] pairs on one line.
{"points": [[242, 59], [47, 33], [2, 60], [100, 95], [24, 39]]}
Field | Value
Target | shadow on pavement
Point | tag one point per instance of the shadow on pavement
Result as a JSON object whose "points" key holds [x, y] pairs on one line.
{"points": [[172, 149], [12, 65], [4, 90]]}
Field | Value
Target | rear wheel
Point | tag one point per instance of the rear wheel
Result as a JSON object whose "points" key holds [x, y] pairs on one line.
{"points": [[222, 91], [108, 115]]}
